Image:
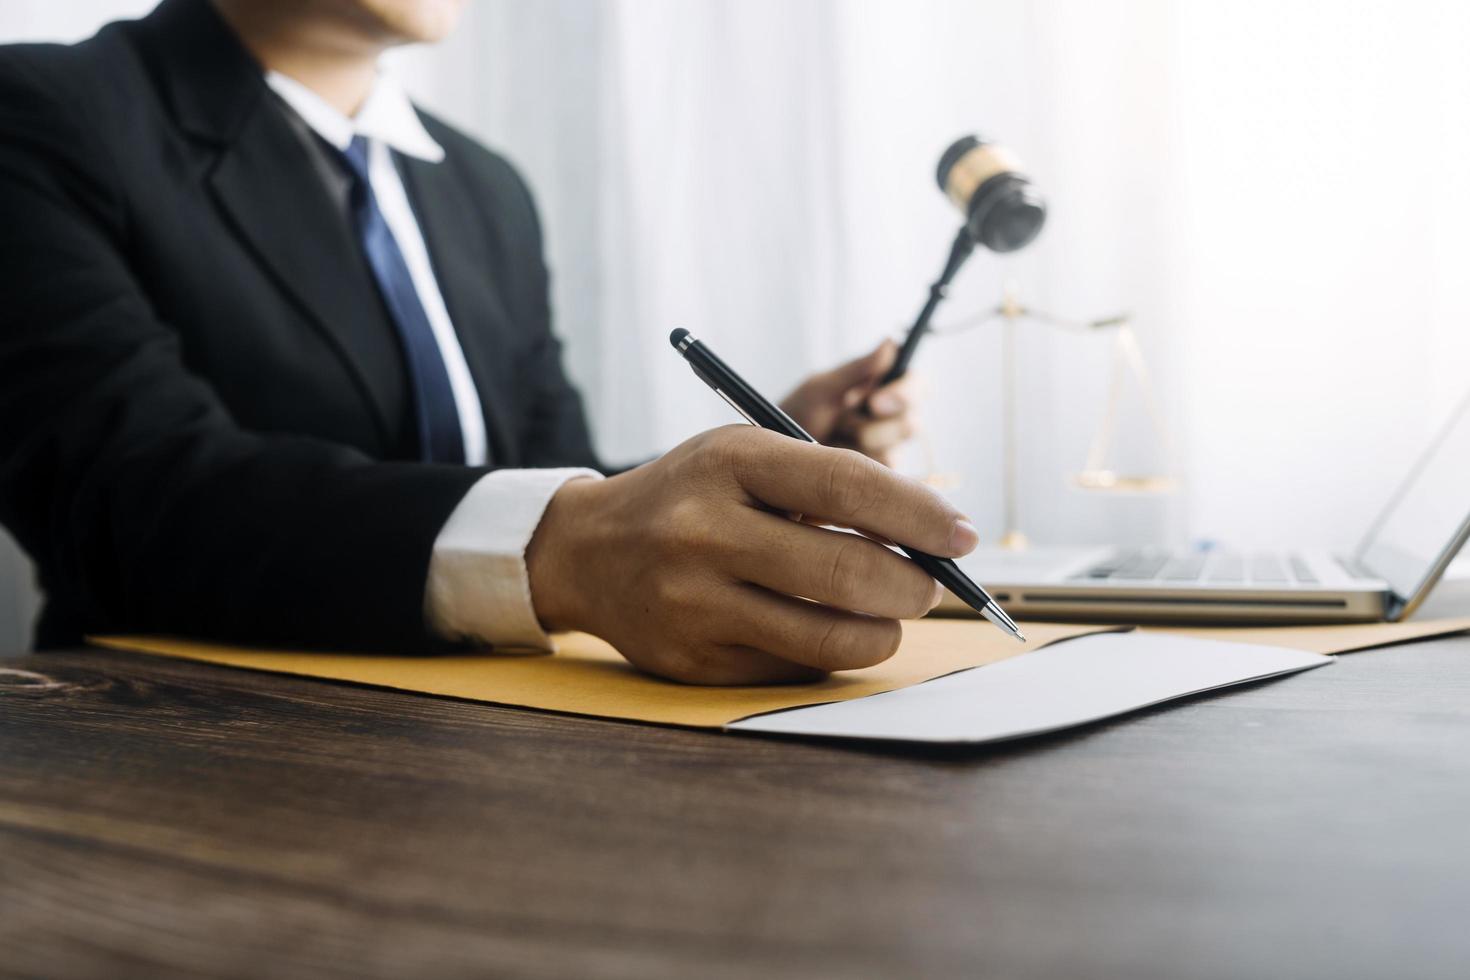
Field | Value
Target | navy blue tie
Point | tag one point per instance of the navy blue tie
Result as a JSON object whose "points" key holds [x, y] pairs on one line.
{"points": [[440, 438]]}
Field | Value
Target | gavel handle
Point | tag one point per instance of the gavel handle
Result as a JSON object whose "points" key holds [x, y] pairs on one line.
{"points": [[958, 253]]}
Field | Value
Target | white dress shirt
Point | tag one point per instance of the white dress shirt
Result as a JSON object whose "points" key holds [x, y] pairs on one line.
{"points": [[389, 122], [478, 587]]}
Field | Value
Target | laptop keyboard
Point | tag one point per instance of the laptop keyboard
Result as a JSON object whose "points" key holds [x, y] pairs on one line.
{"points": [[1220, 567]]}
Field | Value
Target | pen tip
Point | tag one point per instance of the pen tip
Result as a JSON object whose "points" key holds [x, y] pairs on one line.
{"points": [[998, 616], [677, 336]]}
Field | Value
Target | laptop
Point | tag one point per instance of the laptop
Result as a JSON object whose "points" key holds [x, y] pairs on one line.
{"points": [[1402, 556]]}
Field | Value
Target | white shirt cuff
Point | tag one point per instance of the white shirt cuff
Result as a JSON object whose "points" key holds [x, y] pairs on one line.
{"points": [[478, 588]]}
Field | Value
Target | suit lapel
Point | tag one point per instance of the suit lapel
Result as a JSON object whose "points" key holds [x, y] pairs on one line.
{"points": [[264, 181], [268, 186], [459, 249]]}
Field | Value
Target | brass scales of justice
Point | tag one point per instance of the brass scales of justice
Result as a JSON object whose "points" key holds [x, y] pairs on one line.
{"points": [[1098, 473]]}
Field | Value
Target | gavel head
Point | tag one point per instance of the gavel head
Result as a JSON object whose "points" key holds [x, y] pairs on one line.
{"points": [[1002, 210]]}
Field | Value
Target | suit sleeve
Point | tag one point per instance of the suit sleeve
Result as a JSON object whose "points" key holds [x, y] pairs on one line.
{"points": [[122, 473]]}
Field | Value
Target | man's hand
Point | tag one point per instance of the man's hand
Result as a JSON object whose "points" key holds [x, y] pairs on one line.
{"points": [[691, 568], [828, 405]]}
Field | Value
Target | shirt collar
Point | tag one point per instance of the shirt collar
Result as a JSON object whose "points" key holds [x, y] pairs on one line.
{"points": [[386, 115]]}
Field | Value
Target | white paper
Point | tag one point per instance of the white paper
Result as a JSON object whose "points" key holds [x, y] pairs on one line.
{"points": [[1059, 686]]}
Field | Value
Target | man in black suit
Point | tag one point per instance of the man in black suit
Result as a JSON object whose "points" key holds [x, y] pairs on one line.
{"points": [[276, 365]]}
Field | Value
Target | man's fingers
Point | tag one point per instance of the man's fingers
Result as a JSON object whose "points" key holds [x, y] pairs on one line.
{"points": [[813, 635], [890, 400], [839, 486], [879, 437], [831, 567], [863, 370], [813, 522]]}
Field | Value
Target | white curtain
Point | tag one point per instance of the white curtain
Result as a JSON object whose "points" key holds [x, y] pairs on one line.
{"points": [[1275, 190]]}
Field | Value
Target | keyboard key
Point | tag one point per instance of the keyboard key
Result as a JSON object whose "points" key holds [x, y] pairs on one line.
{"points": [[1185, 569], [1110, 564], [1226, 568], [1145, 566], [1268, 568]]}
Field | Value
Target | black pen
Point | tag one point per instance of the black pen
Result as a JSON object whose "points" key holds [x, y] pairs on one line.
{"points": [[758, 411]]}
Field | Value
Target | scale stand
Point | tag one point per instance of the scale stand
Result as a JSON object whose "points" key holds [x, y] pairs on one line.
{"points": [[1011, 311]]}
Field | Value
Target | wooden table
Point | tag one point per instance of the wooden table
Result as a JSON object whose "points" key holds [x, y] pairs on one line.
{"points": [[161, 818]]}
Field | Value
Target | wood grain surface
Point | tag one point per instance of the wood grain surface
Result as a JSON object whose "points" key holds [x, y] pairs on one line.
{"points": [[161, 818]]}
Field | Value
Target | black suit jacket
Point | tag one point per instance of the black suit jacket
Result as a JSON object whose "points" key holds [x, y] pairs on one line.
{"points": [[205, 419]]}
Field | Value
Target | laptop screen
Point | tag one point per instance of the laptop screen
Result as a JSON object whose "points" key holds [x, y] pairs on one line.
{"points": [[1427, 520]]}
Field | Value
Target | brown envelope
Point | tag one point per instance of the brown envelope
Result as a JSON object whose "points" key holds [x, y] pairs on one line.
{"points": [[1343, 638], [587, 677]]}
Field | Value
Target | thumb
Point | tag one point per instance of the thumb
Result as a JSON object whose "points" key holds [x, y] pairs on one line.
{"points": [[863, 370]]}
